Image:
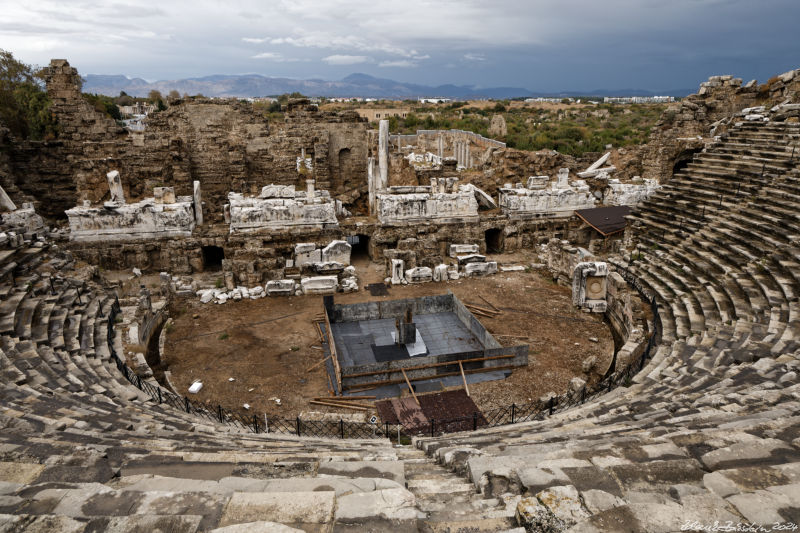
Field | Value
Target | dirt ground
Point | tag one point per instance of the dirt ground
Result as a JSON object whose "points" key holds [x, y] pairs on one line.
{"points": [[257, 352]]}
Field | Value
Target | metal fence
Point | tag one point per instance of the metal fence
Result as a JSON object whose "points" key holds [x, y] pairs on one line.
{"points": [[341, 429], [541, 409], [512, 414]]}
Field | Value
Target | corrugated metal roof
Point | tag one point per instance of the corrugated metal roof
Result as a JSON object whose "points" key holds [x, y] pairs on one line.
{"points": [[606, 220]]}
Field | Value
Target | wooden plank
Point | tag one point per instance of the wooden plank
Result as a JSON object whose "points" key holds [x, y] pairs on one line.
{"points": [[319, 331], [463, 377], [315, 365], [349, 398], [410, 388], [375, 384], [341, 406], [332, 347], [432, 365], [335, 401], [360, 388], [483, 309], [490, 304], [480, 313]]}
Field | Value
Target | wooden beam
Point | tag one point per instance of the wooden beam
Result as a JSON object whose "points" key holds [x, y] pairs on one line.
{"points": [[410, 388], [483, 309], [359, 388], [335, 400], [466, 387], [315, 365], [432, 365], [490, 304], [375, 384], [340, 406], [479, 313], [348, 398]]}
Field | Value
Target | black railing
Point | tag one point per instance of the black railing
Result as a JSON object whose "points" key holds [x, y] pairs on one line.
{"points": [[244, 420], [341, 429], [542, 408]]}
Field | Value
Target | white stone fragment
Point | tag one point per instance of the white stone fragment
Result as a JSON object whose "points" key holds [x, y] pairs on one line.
{"points": [[195, 387], [280, 287], [319, 284], [440, 273], [419, 275], [337, 251], [480, 269], [398, 274], [463, 249]]}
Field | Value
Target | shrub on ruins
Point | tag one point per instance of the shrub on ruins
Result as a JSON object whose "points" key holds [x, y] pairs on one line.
{"points": [[104, 104], [24, 104]]}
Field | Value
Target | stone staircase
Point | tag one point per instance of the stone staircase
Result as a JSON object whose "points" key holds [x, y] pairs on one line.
{"points": [[709, 430]]}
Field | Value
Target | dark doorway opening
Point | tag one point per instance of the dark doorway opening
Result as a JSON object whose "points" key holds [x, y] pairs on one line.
{"points": [[494, 241], [683, 160], [212, 257], [360, 244]]}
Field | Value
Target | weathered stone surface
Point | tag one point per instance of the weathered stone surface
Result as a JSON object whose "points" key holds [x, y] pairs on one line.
{"points": [[398, 274], [440, 273], [598, 500], [365, 469], [764, 451], [536, 517], [257, 527], [589, 287], [338, 251], [480, 269], [135, 221], [419, 275], [618, 193], [284, 507], [391, 504], [559, 200], [254, 213], [398, 209], [280, 287], [5, 202], [319, 285], [13, 472], [463, 249]]}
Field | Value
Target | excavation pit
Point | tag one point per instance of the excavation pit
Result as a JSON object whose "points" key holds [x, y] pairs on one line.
{"points": [[428, 342]]}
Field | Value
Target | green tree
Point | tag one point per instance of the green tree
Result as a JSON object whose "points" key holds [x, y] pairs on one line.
{"points": [[124, 99], [24, 105]]}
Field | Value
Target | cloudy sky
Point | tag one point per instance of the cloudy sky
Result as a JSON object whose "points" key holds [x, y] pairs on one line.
{"points": [[541, 45]]}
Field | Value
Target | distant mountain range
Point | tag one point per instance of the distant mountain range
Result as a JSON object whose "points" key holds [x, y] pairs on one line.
{"points": [[253, 85]]}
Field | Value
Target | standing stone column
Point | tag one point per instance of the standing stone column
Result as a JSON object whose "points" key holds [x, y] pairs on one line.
{"points": [[441, 146], [310, 189], [383, 154], [371, 184], [467, 162], [198, 203]]}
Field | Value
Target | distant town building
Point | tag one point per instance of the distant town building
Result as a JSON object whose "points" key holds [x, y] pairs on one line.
{"points": [[372, 114], [435, 100], [136, 109], [638, 99], [548, 99]]}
